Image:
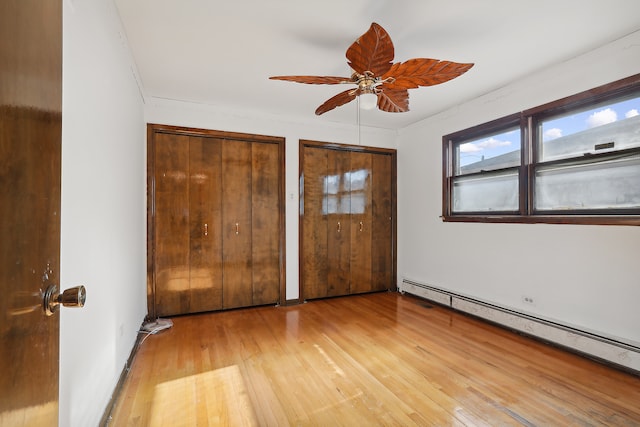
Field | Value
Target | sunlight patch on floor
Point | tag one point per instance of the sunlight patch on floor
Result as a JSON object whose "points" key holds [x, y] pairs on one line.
{"points": [[329, 361], [32, 416], [212, 398]]}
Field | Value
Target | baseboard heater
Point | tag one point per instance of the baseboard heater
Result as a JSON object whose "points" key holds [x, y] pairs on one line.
{"points": [[624, 355]]}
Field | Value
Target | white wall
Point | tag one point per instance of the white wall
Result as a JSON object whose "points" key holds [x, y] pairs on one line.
{"points": [[211, 117], [103, 209], [581, 275]]}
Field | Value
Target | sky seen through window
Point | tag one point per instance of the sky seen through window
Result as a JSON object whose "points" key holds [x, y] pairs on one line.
{"points": [[509, 141]]}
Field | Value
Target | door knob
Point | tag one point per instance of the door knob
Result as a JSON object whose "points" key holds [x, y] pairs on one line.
{"points": [[72, 297]]}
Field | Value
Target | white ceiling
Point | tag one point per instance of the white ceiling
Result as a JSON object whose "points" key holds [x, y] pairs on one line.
{"points": [[222, 53]]}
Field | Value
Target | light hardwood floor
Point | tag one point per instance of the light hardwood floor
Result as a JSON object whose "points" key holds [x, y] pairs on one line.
{"points": [[376, 359]]}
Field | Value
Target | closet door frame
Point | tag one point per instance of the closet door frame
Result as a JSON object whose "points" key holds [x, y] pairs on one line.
{"points": [[304, 144], [152, 130]]}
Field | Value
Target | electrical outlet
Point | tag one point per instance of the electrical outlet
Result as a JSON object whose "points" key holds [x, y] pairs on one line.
{"points": [[527, 299]]}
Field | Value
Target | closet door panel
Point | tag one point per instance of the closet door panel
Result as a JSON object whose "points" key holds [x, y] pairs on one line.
{"points": [[361, 221], [265, 241], [215, 220], [205, 261], [236, 224], [355, 231], [171, 231], [382, 205], [337, 192], [313, 265]]}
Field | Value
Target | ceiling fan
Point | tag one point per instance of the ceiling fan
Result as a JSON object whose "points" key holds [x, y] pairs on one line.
{"points": [[378, 81]]}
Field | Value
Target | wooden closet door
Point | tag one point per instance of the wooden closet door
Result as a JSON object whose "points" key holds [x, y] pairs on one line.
{"points": [[265, 223], [360, 178], [347, 227], [236, 224], [382, 230], [171, 236], [313, 259], [205, 224], [338, 194], [215, 218]]}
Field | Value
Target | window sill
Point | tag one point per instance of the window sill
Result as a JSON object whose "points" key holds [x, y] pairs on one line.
{"points": [[546, 219]]}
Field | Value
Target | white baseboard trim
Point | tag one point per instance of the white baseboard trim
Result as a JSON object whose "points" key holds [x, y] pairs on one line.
{"points": [[609, 350]]}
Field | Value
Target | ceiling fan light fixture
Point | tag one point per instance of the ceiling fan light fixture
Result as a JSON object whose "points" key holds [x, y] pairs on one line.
{"points": [[368, 100], [380, 82]]}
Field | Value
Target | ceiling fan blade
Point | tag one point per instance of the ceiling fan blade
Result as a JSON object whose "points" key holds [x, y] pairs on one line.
{"points": [[315, 80], [423, 72], [336, 101], [393, 100], [373, 51]]}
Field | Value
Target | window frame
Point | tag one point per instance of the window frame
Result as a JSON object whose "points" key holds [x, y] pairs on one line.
{"points": [[528, 121]]}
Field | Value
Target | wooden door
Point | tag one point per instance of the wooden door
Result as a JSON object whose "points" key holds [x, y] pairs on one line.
{"points": [[347, 236], [360, 177], [171, 232], [205, 224], [187, 232], [382, 212], [30, 152], [338, 194], [216, 220], [265, 223], [314, 211], [236, 224]]}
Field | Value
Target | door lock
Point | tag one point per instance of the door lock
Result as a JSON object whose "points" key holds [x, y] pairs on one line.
{"points": [[72, 297]]}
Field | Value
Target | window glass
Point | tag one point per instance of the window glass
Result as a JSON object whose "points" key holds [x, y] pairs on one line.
{"points": [[607, 127], [610, 184], [485, 193], [491, 152], [571, 161]]}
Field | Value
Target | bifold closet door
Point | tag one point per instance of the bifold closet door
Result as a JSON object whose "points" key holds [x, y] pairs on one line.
{"points": [[172, 286], [313, 265], [236, 224], [339, 245], [250, 224], [205, 257], [382, 200], [265, 223], [360, 181], [187, 236], [216, 220], [347, 229]]}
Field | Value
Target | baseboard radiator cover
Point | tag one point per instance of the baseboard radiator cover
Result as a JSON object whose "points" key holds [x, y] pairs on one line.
{"points": [[606, 349]]}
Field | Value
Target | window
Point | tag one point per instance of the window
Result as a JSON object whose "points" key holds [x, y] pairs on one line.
{"points": [[576, 160], [486, 168]]}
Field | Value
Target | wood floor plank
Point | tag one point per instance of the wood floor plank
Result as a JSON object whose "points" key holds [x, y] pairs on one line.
{"points": [[374, 359]]}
